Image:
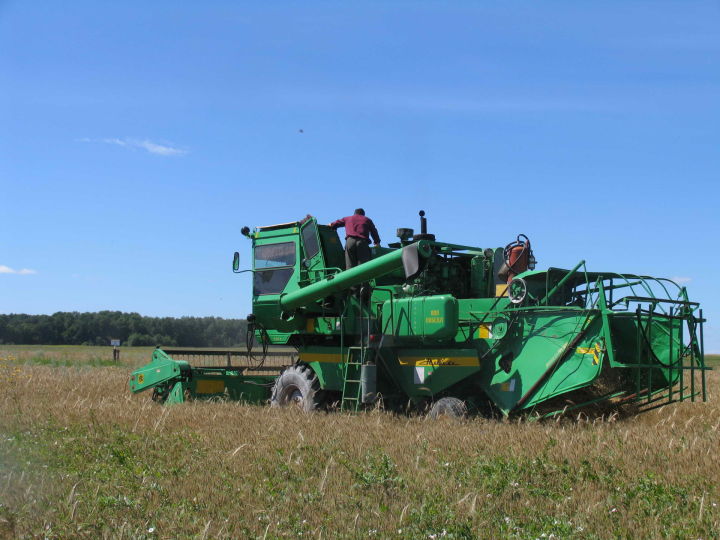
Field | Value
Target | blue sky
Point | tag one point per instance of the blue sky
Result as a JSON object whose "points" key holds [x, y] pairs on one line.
{"points": [[138, 138]]}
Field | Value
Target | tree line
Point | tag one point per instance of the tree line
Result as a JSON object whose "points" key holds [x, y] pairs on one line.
{"points": [[133, 329]]}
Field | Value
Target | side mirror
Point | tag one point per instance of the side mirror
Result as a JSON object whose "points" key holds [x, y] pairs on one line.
{"points": [[236, 262]]}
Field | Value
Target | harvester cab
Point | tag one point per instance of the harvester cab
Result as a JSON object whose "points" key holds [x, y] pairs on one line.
{"points": [[286, 258], [445, 327]]}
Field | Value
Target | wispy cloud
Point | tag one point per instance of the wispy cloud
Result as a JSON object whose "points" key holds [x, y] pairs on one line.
{"points": [[23, 272], [680, 280], [164, 149]]}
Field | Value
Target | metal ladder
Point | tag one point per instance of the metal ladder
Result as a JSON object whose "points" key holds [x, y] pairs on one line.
{"points": [[354, 359], [352, 387]]}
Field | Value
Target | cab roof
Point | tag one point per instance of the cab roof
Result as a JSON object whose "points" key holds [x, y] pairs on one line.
{"points": [[278, 226]]}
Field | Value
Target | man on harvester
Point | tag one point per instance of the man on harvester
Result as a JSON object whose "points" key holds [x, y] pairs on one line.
{"points": [[358, 230]]}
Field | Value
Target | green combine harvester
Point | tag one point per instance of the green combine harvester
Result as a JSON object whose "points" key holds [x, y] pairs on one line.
{"points": [[441, 328]]}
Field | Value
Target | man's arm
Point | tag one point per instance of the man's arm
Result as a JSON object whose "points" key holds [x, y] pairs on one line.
{"points": [[374, 233], [338, 223]]}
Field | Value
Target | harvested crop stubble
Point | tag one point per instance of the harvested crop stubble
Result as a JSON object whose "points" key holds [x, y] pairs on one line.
{"points": [[80, 456]]}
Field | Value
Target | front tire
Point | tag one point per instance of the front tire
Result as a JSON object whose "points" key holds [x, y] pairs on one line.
{"points": [[297, 386]]}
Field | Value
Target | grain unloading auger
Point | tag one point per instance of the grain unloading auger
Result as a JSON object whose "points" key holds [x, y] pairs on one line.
{"points": [[445, 328]]}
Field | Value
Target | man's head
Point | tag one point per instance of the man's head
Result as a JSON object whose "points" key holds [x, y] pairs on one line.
{"points": [[360, 211]]}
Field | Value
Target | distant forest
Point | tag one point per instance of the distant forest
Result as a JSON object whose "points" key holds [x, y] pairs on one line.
{"points": [[73, 328]]}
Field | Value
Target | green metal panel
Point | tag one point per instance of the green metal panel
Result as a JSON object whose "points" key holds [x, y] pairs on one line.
{"points": [[431, 317], [430, 371], [544, 354], [230, 384], [177, 394], [161, 369]]}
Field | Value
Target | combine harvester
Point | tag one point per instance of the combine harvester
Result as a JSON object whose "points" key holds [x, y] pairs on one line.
{"points": [[442, 328]]}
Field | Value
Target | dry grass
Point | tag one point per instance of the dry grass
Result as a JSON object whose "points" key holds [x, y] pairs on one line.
{"points": [[81, 457], [74, 355]]}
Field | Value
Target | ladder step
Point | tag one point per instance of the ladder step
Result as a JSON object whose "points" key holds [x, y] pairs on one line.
{"points": [[352, 388]]}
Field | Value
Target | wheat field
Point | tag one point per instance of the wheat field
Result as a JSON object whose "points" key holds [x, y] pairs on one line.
{"points": [[80, 457]]}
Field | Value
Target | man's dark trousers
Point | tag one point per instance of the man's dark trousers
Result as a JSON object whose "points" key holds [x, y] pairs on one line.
{"points": [[357, 251]]}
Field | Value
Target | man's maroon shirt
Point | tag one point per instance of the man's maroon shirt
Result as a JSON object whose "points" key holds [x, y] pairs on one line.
{"points": [[358, 226]]}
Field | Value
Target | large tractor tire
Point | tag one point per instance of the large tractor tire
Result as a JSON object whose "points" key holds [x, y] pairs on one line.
{"points": [[450, 407], [297, 386]]}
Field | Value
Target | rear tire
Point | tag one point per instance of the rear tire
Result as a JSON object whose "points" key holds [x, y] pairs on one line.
{"points": [[297, 386], [449, 407]]}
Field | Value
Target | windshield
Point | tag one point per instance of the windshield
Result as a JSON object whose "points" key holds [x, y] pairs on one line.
{"points": [[275, 255], [271, 281]]}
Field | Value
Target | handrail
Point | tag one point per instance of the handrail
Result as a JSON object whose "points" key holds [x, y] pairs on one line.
{"points": [[561, 282], [654, 300]]}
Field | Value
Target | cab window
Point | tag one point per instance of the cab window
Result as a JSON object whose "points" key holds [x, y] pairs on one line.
{"points": [[274, 265], [309, 234], [271, 281], [274, 255]]}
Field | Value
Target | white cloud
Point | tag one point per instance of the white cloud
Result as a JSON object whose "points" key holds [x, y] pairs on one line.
{"points": [[160, 149], [23, 272], [681, 280], [149, 146]]}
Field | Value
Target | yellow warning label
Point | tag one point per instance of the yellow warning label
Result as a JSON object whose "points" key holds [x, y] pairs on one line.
{"points": [[443, 361], [141, 378], [595, 351], [508, 386], [484, 331], [500, 290]]}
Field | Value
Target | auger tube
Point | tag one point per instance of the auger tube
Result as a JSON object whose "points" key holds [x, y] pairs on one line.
{"points": [[354, 276]]}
